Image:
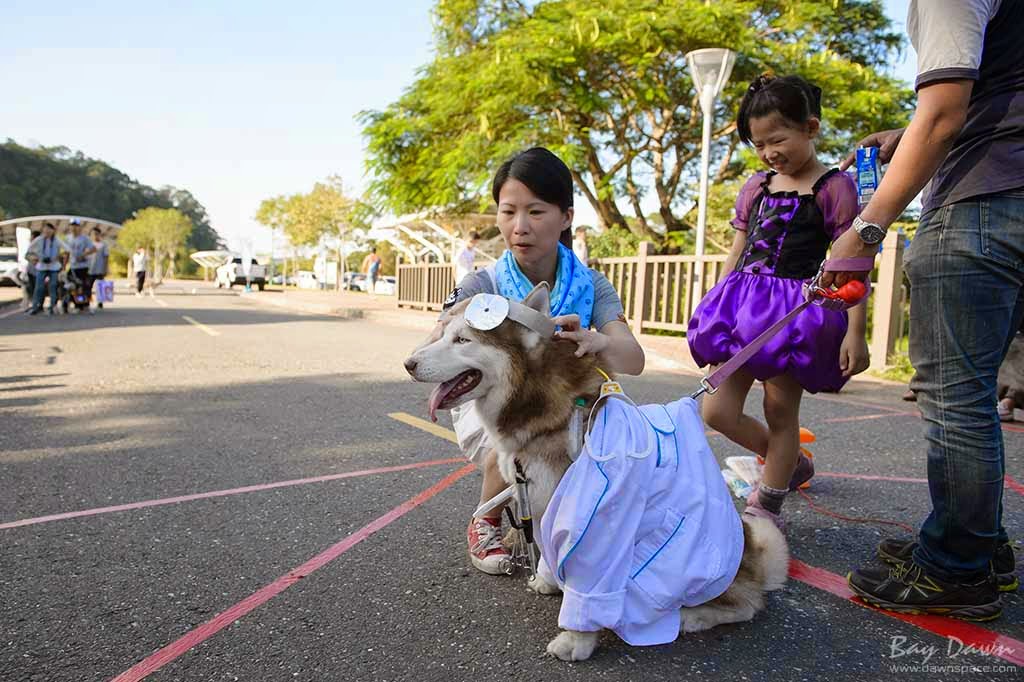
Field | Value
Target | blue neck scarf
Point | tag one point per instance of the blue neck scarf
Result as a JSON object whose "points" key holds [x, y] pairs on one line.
{"points": [[573, 290]]}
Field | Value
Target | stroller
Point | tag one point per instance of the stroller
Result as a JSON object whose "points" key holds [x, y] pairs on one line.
{"points": [[72, 290]]}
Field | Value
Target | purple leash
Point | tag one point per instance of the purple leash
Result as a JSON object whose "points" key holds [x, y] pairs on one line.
{"points": [[814, 294]]}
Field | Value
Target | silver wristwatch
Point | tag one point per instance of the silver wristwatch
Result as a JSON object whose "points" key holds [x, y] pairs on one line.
{"points": [[869, 233]]}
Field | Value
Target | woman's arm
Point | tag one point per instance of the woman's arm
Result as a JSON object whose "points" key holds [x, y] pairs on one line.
{"points": [[623, 354], [615, 345]]}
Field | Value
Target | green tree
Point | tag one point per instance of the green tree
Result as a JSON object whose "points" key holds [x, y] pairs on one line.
{"points": [[57, 180], [604, 84], [161, 231], [326, 211]]}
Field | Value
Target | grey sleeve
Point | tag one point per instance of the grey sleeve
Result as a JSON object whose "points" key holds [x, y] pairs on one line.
{"points": [[948, 36], [474, 283], [607, 306]]}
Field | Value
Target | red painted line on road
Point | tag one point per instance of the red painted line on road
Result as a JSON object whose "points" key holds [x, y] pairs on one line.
{"points": [[1004, 647], [1011, 427], [847, 401], [865, 417], [223, 619], [867, 477], [1010, 482], [1013, 484], [223, 493]]}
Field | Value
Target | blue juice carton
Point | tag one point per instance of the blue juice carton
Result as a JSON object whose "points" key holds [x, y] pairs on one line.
{"points": [[868, 176]]}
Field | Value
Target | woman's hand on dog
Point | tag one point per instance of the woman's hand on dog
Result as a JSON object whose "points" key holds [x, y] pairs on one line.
{"points": [[587, 340]]}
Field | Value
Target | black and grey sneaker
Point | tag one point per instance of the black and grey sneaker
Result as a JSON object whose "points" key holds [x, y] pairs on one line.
{"points": [[896, 551], [907, 588]]}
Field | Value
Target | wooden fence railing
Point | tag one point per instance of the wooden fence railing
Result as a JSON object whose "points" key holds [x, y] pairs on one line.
{"points": [[661, 292]]}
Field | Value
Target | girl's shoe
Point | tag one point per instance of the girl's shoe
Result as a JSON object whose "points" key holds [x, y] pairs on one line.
{"points": [[804, 471], [1005, 409]]}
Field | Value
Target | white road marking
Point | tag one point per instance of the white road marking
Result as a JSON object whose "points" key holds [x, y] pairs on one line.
{"points": [[211, 332]]}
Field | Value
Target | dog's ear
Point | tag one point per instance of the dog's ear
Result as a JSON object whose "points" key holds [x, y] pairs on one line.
{"points": [[539, 299]]}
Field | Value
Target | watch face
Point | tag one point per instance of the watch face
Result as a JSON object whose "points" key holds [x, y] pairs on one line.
{"points": [[872, 234]]}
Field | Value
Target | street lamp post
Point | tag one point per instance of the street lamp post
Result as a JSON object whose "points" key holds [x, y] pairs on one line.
{"points": [[710, 69]]}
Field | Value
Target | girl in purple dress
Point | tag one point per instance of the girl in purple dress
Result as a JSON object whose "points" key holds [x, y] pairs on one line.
{"points": [[786, 218]]}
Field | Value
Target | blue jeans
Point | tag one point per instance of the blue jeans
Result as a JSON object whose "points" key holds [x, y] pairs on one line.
{"points": [[966, 270], [40, 291]]}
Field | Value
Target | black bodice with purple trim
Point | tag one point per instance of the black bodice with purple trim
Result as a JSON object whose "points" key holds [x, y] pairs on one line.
{"points": [[787, 238]]}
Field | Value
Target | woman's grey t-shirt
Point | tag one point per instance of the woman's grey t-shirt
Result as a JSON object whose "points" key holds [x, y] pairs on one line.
{"points": [[607, 306]]}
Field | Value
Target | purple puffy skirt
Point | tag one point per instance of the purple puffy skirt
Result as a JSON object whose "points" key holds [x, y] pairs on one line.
{"points": [[743, 305]]}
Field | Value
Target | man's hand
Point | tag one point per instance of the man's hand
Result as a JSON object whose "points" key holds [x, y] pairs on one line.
{"points": [[886, 141], [849, 245]]}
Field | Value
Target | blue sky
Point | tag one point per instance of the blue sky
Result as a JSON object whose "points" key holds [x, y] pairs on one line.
{"points": [[235, 101]]}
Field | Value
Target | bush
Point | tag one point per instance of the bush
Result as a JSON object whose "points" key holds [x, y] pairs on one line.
{"points": [[613, 243]]}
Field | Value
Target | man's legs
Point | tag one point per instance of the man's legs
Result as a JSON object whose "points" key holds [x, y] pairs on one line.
{"points": [[966, 277], [53, 289], [38, 291], [966, 268]]}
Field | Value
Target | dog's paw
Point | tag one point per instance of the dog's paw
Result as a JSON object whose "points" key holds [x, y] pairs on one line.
{"points": [[694, 620], [571, 645], [542, 586]]}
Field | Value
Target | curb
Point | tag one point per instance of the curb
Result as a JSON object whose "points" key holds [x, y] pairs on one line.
{"points": [[406, 318]]}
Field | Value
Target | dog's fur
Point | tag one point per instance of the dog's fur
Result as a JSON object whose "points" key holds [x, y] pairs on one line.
{"points": [[525, 400]]}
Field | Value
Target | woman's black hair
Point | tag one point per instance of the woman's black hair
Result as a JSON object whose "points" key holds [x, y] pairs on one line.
{"points": [[791, 97], [545, 175]]}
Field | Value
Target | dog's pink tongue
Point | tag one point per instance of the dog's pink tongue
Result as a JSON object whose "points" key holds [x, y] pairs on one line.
{"points": [[436, 396]]}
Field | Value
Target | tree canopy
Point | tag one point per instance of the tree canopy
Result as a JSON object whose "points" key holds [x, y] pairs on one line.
{"points": [[161, 231], [57, 180], [605, 85]]}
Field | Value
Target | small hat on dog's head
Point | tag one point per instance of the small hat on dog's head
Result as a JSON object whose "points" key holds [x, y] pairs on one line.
{"points": [[487, 311]]}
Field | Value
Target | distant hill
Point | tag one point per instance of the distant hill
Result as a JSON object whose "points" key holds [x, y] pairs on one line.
{"points": [[57, 180]]}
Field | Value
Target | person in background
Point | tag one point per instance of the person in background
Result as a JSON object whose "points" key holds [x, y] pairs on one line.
{"points": [[81, 249], [28, 276], [98, 263], [579, 245], [139, 263], [371, 266], [45, 253], [467, 257]]}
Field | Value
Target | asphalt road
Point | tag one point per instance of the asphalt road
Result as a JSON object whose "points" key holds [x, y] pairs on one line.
{"points": [[214, 398]]}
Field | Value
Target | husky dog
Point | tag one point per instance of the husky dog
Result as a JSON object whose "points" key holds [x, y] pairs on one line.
{"points": [[525, 386]]}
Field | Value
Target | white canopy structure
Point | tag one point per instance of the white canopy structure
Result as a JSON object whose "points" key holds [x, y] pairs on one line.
{"points": [[211, 259], [420, 238], [9, 228]]}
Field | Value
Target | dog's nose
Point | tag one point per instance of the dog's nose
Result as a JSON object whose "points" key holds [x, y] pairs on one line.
{"points": [[410, 366]]}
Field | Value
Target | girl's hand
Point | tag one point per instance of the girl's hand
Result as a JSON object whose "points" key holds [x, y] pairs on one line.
{"points": [[587, 341], [853, 355]]}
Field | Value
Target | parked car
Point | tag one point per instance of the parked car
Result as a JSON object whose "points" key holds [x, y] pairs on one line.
{"points": [[231, 273], [386, 285], [353, 281], [307, 280], [277, 279], [9, 274]]}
